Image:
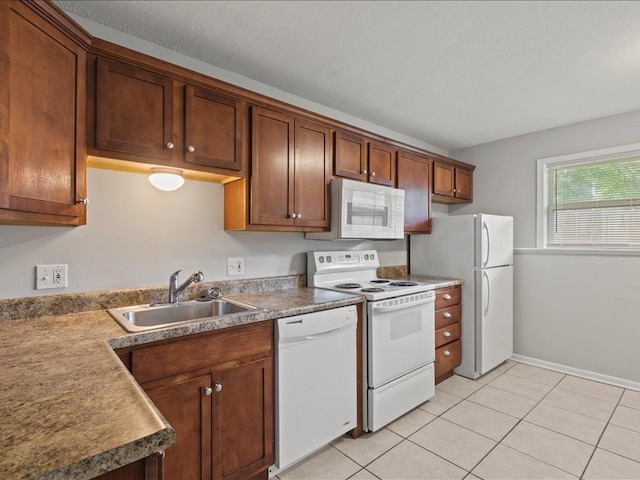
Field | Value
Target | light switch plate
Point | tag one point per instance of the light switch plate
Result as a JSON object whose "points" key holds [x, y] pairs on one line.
{"points": [[51, 276], [235, 266]]}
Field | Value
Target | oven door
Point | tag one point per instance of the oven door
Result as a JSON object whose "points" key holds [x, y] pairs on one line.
{"points": [[400, 336]]}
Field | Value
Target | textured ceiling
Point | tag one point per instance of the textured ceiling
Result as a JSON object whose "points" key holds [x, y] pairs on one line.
{"points": [[452, 74]]}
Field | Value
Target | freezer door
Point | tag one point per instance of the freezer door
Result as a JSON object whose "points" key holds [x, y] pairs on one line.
{"points": [[494, 317], [494, 241]]}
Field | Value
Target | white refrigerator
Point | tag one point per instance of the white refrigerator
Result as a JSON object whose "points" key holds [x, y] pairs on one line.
{"points": [[479, 250]]}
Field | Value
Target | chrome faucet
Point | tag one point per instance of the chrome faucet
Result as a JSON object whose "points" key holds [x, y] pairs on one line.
{"points": [[175, 290]]}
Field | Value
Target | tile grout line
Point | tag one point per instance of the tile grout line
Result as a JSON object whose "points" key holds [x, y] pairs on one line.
{"points": [[602, 434]]}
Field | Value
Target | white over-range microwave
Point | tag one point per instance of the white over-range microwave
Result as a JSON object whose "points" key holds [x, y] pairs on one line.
{"points": [[363, 211]]}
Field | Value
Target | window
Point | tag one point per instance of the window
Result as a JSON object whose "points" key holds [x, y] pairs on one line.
{"points": [[590, 200]]}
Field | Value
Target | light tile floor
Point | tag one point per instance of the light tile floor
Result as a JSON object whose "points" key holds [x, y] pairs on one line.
{"points": [[516, 422]]}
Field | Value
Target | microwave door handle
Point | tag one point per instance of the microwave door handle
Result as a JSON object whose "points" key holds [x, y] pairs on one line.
{"points": [[401, 306]]}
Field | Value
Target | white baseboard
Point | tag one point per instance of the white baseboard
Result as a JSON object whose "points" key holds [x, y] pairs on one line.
{"points": [[598, 377]]}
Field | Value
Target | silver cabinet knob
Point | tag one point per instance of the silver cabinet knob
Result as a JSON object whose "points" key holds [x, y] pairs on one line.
{"points": [[217, 387], [373, 174], [83, 201], [299, 215], [446, 333], [294, 215], [191, 149], [446, 315], [446, 296], [208, 391], [446, 353], [363, 172], [170, 145]]}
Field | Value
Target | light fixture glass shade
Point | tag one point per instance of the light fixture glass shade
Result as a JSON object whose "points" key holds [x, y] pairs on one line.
{"points": [[166, 179]]}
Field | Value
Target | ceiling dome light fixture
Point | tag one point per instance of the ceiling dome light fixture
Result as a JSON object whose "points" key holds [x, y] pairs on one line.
{"points": [[166, 179]]}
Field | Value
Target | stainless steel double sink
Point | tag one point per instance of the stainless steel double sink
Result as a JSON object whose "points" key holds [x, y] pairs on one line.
{"points": [[140, 318]]}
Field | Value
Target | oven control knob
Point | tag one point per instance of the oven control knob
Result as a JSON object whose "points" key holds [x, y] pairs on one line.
{"points": [[366, 256], [328, 258], [373, 256], [321, 259]]}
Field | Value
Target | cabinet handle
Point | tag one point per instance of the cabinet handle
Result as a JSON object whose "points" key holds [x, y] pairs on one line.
{"points": [[191, 149], [217, 387], [446, 353], [294, 215], [446, 296], [373, 174], [446, 333], [208, 391], [83, 201], [446, 315], [170, 145], [299, 215], [363, 172]]}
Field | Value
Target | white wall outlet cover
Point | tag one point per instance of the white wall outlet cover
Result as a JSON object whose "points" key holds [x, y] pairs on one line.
{"points": [[51, 276]]}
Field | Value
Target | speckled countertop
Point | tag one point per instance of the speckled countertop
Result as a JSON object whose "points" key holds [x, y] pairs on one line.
{"points": [[69, 407]]}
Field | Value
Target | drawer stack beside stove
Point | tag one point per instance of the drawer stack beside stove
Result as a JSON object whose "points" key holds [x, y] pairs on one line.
{"points": [[447, 322]]}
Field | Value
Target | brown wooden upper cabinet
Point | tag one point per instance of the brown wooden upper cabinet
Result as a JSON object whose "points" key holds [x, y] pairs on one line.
{"points": [[364, 161], [414, 177], [144, 116], [452, 182], [42, 116], [290, 170]]}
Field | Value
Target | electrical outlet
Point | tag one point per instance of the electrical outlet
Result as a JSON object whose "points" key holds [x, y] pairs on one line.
{"points": [[51, 276], [235, 266]]}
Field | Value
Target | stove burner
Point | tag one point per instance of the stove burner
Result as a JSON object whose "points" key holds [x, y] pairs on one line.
{"points": [[403, 284], [380, 280], [348, 285], [372, 290]]}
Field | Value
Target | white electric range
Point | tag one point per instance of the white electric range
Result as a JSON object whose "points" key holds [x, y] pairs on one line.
{"points": [[398, 328]]}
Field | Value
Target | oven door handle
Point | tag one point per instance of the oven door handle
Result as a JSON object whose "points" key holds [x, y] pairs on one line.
{"points": [[401, 306]]}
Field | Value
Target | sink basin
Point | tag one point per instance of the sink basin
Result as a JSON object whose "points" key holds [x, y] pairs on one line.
{"points": [[141, 318]]}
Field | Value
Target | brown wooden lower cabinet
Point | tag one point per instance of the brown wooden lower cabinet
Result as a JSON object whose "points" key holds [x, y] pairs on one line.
{"points": [[220, 400], [150, 468], [448, 329]]}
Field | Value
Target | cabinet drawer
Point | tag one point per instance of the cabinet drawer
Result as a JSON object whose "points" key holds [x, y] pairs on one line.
{"points": [[447, 358], [447, 316], [446, 297], [199, 351], [447, 334]]}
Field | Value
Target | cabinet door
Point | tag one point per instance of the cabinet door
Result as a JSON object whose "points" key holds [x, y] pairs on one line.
{"points": [[243, 420], [213, 129], [187, 407], [134, 110], [272, 165], [382, 164], [464, 184], [312, 174], [443, 178], [42, 120], [350, 156], [414, 177]]}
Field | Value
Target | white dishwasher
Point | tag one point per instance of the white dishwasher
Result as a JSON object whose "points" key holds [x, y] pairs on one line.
{"points": [[315, 382]]}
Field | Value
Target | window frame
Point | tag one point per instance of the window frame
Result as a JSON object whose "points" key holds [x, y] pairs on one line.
{"points": [[541, 191]]}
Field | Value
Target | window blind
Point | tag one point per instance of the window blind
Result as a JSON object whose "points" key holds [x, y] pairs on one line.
{"points": [[594, 203]]}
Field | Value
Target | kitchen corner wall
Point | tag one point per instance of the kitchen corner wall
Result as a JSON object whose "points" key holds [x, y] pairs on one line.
{"points": [[136, 236], [580, 311]]}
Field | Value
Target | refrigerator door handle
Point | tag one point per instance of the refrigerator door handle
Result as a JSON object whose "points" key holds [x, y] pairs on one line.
{"points": [[485, 228], [486, 308]]}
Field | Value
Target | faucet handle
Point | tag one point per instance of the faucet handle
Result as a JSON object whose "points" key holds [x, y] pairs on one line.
{"points": [[214, 292]]}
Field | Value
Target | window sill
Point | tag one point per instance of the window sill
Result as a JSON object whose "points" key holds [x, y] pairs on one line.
{"points": [[593, 252]]}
